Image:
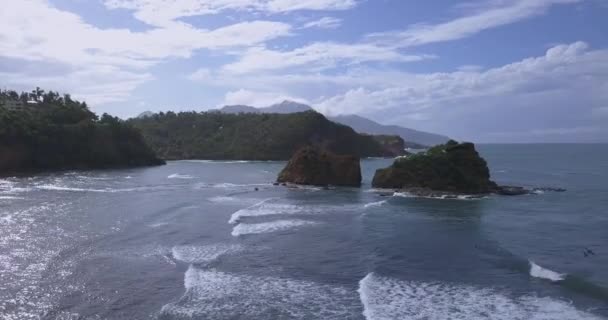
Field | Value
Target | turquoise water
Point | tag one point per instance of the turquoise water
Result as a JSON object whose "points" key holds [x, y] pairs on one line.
{"points": [[194, 240]]}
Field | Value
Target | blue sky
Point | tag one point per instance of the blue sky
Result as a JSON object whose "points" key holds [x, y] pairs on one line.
{"points": [[486, 71]]}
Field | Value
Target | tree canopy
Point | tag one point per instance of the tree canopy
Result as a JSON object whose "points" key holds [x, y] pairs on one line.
{"points": [[249, 136], [47, 131]]}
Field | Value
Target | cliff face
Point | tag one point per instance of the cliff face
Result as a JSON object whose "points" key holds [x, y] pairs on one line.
{"points": [[313, 166], [58, 133], [452, 167], [252, 136]]}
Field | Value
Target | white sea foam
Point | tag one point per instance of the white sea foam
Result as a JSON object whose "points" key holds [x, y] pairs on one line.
{"points": [[268, 227], [212, 294], [388, 299], [53, 187], [375, 204], [440, 197], [203, 254], [10, 198], [540, 272], [233, 200], [180, 176], [218, 161], [235, 185], [265, 208]]}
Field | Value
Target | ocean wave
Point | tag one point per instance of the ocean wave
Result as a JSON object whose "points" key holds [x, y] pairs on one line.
{"points": [[233, 200], [180, 176], [386, 298], [227, 185], [264, 208], [10, 187], [53, 187], [59, 187], [268, 227], [10, 198], [467, 197], [203, 254], [540, 272], [213, 294], [222, 161], [375, 204]]}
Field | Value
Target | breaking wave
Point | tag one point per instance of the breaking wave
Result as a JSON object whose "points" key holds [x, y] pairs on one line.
{"points": [[440, 197], [268, 227], [180, 176], [385, 298], [264, 208], [375, 204], [540, 272], [212, 294]]}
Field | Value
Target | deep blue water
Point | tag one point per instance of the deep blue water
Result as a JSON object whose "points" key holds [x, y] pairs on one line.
{"points": [[194, 240]]}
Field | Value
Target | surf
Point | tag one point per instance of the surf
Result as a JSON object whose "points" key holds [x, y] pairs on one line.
{"points": [[269, 227], [385, 298]]}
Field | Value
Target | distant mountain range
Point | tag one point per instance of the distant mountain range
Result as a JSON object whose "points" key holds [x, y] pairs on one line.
{"points": [[413, 138], [284, 107]]}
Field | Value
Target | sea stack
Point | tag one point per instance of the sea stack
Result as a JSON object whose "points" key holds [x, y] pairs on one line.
{"points": [[451, 168], [315, 166]]}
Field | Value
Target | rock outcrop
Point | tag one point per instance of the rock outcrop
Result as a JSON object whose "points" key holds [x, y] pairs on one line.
{"points": [[446, 171], [317, 167], [394, 144], [452, 167]]}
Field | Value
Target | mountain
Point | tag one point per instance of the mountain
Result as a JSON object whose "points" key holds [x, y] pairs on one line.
{"points": [[58, 133], [238, 109], [287, 107], [284, 107], [413, 138], [255, 136], [145, 114]]}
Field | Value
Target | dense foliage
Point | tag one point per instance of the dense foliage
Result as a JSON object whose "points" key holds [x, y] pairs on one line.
{"points": [[216, 135], [454, 167], [46, 131]]}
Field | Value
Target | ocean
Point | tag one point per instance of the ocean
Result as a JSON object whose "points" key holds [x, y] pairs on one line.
{"points": [[217, 240]]}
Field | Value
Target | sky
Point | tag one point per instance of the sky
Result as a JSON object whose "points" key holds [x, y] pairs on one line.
{"points": [[484, 71]]}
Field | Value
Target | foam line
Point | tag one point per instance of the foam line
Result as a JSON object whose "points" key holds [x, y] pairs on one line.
{"points": [[385, 298]]}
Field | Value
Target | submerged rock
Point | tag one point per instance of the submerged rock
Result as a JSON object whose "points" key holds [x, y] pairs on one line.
{"points": [[317, 167], [511, 191], [452, 167]]}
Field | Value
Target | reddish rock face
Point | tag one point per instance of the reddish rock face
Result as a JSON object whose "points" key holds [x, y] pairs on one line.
{"points": [[313, 166]]}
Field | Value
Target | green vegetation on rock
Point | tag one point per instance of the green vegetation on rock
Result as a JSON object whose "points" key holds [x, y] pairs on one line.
{"points": [[46, 131], [251, 136], [451, 167]]}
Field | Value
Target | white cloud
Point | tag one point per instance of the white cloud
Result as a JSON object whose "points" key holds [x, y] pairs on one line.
{"points": [[323, 23], [55, 37], [565, 67], [164, 12], [483, 16], [257, 98], [46, 33], [317, 56]]}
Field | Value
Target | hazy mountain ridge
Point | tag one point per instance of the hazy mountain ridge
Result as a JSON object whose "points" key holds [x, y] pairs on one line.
{"points": [[413, 138]]}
